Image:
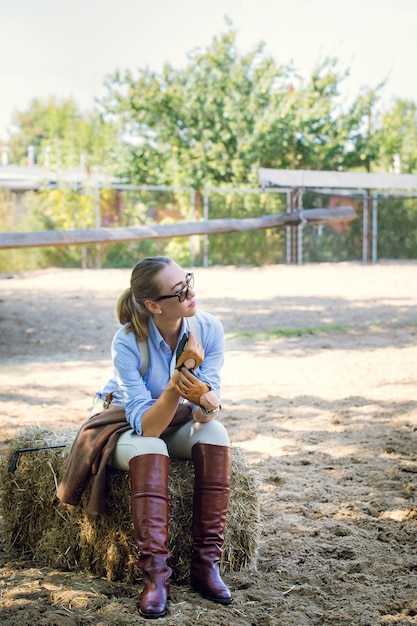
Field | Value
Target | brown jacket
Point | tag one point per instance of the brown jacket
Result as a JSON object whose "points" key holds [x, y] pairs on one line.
{"points": [[92, 450], [88, 458]]}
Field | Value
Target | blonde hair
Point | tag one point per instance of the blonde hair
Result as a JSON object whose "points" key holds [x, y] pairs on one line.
{"points": [[130, 308]]}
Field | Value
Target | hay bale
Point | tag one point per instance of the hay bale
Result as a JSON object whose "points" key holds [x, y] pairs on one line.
{"points": [[38, 526]]}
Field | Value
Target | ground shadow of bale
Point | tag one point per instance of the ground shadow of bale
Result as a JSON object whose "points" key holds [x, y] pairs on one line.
{"points": [[36, 525]]}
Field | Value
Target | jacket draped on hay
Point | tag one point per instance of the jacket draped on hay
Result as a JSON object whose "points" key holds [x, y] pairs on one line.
{"points": [[91, 451], [88, 458]]}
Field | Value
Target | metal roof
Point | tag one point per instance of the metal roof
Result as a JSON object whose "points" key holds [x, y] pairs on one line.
{"points": [[335, 180], [24, 178]]}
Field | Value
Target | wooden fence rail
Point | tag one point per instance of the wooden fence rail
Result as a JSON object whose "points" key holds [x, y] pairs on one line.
{"points": [[179, 229]]}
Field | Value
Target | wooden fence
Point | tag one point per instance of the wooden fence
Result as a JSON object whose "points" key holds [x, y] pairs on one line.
{"points": [[167, 231]]}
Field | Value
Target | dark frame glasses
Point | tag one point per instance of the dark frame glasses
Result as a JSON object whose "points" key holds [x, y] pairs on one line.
{"points": [[183, 292]]}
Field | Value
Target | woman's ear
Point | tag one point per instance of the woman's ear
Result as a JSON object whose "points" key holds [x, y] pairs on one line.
{"points": [[153, 307]]}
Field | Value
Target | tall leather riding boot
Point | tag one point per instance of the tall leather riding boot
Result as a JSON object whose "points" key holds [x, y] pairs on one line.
{"points": [[212, 466], [149, 484]]}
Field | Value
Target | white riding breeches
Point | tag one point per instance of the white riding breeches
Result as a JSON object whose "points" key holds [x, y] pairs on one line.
{"points": [[177, 444]]}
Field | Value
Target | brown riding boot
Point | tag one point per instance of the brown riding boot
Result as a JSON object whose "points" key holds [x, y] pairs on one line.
{"points": [[212, 466], [149, 484]]}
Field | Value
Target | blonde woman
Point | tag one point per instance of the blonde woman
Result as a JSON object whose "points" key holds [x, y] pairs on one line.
{"points": [[166, 411]]}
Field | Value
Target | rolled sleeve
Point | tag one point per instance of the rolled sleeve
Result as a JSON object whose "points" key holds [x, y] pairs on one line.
{"points": [[135, 396], [212, 339]]}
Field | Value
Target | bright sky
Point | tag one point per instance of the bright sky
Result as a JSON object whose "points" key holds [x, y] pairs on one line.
{"points": [[66, 48]]}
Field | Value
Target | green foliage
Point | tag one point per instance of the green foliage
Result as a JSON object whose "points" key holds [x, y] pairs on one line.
{"points": [[341, 241], [63, 137], [13, 217], [124, 255], [247, 248], [397, 228], [63, 209], [399, 137], [216, 121]]}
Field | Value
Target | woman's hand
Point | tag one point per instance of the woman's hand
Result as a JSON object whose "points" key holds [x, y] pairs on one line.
{"points": [[190, 387], [209, 401], [208, 409]]}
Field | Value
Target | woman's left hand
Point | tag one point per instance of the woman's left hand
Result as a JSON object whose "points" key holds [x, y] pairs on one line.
{"points": [[209, 400], [190, 387], [208, 409]]}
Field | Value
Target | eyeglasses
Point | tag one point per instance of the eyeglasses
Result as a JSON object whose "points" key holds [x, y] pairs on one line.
{"points": [[182, 293]]}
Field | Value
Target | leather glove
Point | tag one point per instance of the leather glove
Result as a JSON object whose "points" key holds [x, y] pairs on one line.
{"points": [[190, 387], [189, 350]]}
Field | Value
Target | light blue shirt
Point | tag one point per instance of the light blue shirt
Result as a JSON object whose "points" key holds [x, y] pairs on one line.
{"points": [[136, 393]]}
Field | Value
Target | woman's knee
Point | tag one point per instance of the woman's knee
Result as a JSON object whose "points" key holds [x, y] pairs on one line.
{"points": [[130, 445], [211, 432]]}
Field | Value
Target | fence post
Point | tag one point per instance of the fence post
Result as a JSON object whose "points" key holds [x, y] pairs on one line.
{"points": [[300, 229], [98, 224], [365, 229], [205, 217], [288, 231], [193, 238], [374, 227]]}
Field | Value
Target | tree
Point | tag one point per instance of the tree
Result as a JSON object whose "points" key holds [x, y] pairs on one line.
{"points": [[193, 127], [214, 123], [62, 136], [226, 114]]}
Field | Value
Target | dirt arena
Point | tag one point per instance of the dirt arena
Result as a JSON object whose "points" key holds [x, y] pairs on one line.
{"points": [[326, 414]]}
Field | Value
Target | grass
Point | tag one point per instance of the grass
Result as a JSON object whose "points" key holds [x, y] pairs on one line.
{"points": [[290, 332], [299, 332]]}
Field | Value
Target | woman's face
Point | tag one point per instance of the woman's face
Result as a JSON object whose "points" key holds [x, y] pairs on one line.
{"points": [[177, 296]]}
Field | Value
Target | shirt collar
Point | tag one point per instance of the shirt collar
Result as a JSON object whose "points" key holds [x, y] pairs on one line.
{"points": [[156, 337]]}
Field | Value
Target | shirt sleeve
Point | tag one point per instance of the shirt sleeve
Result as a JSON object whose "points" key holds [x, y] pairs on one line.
{"points": [[212, 339], [135, 396]]}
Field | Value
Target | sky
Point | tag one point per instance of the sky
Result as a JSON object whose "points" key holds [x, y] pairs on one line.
{"points": [[66, 48]]}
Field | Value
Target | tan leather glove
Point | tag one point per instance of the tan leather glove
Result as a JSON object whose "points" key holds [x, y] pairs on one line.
{"points": [[190, 353], [190, 387]]}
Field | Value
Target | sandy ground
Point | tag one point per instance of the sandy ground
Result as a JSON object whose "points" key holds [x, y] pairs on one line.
{"points": [[327, 416]]}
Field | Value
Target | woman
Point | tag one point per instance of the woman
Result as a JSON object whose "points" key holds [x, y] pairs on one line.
{"points": [[156, 314]]}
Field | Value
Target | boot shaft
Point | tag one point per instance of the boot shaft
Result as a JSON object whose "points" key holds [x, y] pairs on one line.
{"points": [[211, 501], [150, 512], [150, 504], [212, 466]]}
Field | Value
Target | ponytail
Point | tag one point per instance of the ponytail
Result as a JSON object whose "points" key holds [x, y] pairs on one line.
{"points": [[130, 308], [128, 311]]}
